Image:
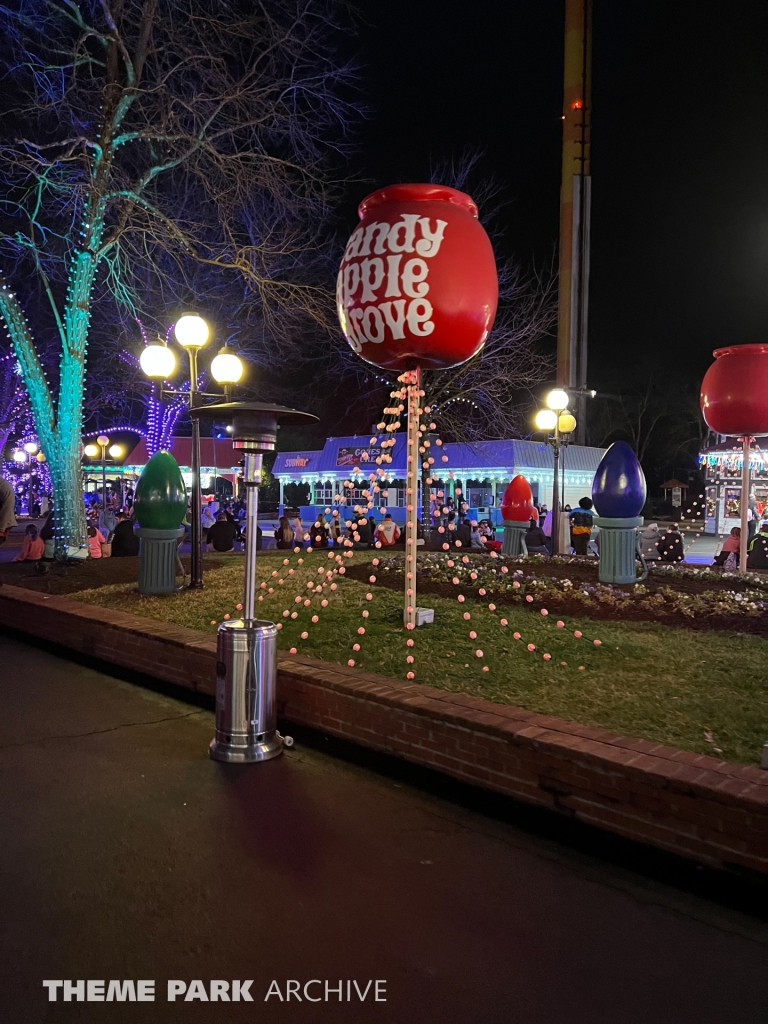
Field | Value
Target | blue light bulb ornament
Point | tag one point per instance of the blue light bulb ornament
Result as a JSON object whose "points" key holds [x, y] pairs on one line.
{"points": [[619, 492], [619, 489]]}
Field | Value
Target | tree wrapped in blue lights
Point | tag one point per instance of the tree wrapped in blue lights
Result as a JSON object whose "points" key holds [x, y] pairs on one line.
{"points": [[157, 134]]}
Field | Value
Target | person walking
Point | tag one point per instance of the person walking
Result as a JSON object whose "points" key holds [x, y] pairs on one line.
{"points": [[581, 526]]}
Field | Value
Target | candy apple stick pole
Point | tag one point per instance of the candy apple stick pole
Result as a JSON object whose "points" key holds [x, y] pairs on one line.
{"points": [[744, 504], [411, 495]]}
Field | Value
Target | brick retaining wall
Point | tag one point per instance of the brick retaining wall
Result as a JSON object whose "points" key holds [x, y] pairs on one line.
{"points": [[691, 804]]}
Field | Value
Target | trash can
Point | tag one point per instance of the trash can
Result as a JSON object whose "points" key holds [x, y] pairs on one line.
{"points": [[246, 692], [157, 560]]}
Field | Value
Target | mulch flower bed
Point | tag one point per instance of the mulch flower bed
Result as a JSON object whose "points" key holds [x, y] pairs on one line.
{"points": [[681, 596], [87, 574]]}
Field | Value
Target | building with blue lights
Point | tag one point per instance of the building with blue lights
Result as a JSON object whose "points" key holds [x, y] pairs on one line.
{"points": [[480, 470]]}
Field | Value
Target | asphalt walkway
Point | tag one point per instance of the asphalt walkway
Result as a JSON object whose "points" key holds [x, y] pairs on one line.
{"points": [[127, 854]]}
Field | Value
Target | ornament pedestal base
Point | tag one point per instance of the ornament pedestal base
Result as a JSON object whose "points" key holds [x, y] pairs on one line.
{"points": [[618, 549], [157, 560], [514, 538]]}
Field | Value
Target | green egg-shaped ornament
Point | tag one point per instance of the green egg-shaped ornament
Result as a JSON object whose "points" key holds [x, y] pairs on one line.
{"points": [[160, 501]]}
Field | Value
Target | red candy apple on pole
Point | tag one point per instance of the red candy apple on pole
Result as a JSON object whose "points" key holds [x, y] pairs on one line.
{"points": [[417, 289], [734, 402]]}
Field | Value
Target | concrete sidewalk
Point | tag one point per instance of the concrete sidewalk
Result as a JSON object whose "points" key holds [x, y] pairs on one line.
{"points": [[127, 854]]}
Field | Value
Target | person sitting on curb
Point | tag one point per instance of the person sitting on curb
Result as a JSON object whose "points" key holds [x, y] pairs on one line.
{"points": [[387, 532], [95, 540], [671, 545], [758, 549], [535, 539], [125, 541], [222, 534], [731, 546], [649, 538], [284, 534], [33, 548]]}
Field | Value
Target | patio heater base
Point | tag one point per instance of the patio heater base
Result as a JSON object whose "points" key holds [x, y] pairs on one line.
{"points": [[269, 747]]}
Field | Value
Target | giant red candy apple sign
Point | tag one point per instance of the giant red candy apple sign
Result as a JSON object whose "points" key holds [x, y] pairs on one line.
{"points": [[734, 392], [417, 284]]}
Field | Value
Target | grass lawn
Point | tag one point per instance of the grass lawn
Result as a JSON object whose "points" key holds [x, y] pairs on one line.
{"points": [[702, 691]]}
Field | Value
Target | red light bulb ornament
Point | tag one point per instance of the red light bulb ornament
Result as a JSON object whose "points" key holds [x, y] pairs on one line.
{"points": [[517, 509], [734, 402]]}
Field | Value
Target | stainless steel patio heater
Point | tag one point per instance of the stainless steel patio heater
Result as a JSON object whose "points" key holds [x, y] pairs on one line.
{"points": [[246, 661]]}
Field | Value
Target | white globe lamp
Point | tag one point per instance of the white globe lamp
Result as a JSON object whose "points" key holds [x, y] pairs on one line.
{"points": [[191, 331], [157, 361]]}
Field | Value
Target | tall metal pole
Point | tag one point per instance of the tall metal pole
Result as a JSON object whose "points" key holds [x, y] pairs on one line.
{"points": [[744, 503], [575, 201], [104, 479], [196, 568], [251, 479], [556, 496], [413, 381]]}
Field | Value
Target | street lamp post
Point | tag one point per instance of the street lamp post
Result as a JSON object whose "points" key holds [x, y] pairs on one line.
{"points": [[192, 333], [103, 442], [103, 446], [158, 362], [555, 418]]}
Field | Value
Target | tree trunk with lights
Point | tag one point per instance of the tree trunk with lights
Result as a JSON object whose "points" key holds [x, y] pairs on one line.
{"points": [[59, 419]]}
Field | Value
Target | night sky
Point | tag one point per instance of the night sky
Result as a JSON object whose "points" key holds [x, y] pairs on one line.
{"points": [[679, 153]]}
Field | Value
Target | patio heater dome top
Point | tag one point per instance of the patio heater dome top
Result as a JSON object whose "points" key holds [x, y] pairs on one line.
{"points": [[254, 424]]}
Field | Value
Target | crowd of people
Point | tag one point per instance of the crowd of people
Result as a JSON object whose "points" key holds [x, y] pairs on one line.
{"points": [[111, 532]]}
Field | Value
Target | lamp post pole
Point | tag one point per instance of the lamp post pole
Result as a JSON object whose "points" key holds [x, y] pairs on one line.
{"points": [[559, 421], [158, 362], [556, 493], [103, 442], [196, 558]]}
